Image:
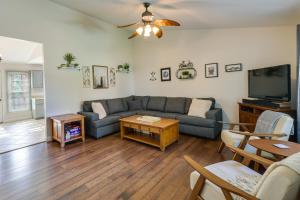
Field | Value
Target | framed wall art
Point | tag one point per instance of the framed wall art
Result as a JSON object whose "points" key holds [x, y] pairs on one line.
{"points": [[165, 74], [211, 70], [100, 77], [234, 67], [86, 76]]}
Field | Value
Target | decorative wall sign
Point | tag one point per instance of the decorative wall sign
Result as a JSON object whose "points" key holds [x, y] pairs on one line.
{"points": [[100, 77], [86, 76], [112, 77], [234, 67], [152, 76], [211, 70], [186, 70], [165, 74]]}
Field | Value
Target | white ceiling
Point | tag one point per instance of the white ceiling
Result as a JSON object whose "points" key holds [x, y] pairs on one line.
{"points": [[20, 51], [195, 14]]}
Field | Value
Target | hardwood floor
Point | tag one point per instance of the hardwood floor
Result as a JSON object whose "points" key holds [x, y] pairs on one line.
{"points": [[108, 168], [16, 135]]}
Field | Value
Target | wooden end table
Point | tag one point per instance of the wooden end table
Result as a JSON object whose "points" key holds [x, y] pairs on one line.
{"points": [[268, 146], [58, 128], [161, 133]]}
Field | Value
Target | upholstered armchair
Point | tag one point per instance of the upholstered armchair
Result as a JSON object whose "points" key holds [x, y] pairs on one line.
{"points": [[234, 138], [234, 180]]}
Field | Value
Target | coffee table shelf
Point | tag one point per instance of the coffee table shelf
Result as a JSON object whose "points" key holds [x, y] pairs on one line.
{"points": [[143, 138]]}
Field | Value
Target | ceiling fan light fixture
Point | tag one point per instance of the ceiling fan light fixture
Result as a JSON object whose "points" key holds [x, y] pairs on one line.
{"points": [[155, 30], [147, 34], [148, 28], [140, 30]]}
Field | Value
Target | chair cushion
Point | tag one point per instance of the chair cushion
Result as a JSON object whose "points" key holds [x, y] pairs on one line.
{"points": [[156, 103], [196, 121], [135, 104], [125, 114], [106, 121], [233, 139], [116, 105], [175, 105], [230, 171]]}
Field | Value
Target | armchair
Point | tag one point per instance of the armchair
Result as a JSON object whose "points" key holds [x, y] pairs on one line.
{"points": [[281, 131], [233, 180]]}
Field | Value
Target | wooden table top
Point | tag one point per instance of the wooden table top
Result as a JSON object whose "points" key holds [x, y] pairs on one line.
{"points": [[163, 123], [267, 145], [67, 117]]}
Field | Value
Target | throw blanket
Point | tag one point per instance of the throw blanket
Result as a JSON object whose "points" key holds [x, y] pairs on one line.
{"points": [[292, 162], [267, 121]]}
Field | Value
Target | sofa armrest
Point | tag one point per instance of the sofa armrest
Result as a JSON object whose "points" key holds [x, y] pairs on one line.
{"points": [[90, 115], [215, 114]]}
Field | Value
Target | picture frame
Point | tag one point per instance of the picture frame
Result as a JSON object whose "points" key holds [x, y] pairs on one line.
{"points": [[112, 77], [100, 77], [234, 67], [211, 70], [86, 76], [165, 74]]}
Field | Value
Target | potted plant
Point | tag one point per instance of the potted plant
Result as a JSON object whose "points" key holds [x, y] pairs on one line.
{"points": [[69, 58], [124, 68]]}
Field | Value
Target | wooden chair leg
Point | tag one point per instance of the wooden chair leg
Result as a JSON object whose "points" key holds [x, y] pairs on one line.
{"points": [[196, 192], [221, 147]]}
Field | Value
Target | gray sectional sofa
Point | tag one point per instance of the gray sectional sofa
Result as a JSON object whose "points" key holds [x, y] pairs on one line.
{"points": [[167, 107]]}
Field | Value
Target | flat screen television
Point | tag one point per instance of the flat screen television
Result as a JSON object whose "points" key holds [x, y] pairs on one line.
{"points": [[270, 83]]}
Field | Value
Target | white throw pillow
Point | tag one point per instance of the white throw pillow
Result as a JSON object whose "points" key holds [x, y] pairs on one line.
{"points": [[199, 107], [99, 109]]}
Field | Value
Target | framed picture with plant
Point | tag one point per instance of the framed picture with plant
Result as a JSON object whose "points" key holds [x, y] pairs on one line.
{"points": [[100, 77], [165, 74], [124, 68], [211, 70]]}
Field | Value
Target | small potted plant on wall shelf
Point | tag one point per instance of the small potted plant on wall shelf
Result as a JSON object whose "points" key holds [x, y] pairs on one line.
{"points": [[69, 58], [125, 68]]}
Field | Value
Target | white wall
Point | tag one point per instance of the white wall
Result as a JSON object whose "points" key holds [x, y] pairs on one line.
{"points": [[254, 47], [63, 30]]}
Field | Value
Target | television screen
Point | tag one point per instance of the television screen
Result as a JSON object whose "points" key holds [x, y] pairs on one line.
{"points": [[273, 83]]}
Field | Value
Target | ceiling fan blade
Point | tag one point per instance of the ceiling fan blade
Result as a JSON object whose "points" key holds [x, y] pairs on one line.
{"points": [[133, 35], [165, 22], [159, 34], [124, 26]]}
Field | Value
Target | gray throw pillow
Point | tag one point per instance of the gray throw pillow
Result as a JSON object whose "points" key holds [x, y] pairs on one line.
{"points": [[175, 105], [135, 105]]}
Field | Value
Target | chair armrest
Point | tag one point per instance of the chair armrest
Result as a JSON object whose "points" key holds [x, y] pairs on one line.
{"points": [[225, 186], [265, 162], [90, 115], [237, 124], [215, 114], [261, 135]]}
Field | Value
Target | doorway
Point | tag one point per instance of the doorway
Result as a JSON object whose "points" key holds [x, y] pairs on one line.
{"points": [[22, 116]]}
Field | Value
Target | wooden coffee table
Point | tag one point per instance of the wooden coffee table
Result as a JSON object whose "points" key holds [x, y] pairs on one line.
{"points": [[267, 145], [159, 134]]}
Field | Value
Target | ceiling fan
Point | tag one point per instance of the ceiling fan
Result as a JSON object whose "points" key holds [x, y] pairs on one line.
{"points": [[149, 24]]}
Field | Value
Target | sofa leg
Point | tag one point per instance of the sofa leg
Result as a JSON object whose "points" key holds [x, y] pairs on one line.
{"points": [[221, 147]]}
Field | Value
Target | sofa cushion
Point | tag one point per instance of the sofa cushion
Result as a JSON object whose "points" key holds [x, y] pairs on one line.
{"points": [[189, 101], [126, 99], [144, 99], [175, 105], [156, 103], [125, 114], [106, 121], [167, 115], [87, 105], [116, 105], [135, 104], [196, 121], [148, 112]]}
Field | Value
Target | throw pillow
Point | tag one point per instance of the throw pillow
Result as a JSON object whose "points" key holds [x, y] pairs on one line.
{"points": [[199, 107], [99, 109], [135, 104]]}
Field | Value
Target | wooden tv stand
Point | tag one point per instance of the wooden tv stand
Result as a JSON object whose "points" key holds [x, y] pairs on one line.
{"points": [[248, 113]]}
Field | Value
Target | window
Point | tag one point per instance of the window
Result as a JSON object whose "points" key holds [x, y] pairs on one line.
{"points": [[18, 91]]}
